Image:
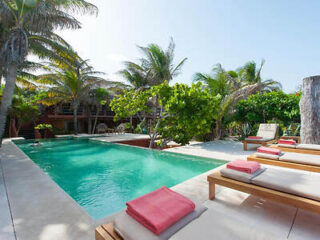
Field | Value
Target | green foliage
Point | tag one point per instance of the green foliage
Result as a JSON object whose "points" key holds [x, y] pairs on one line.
{"points": [[23, 109], [43, 126], [266, 107], [189, 111], [155, 67], [130, 103], [186, 111]]}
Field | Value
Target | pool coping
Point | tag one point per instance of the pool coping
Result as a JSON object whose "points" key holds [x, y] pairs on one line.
{"points": [[12, 157]]}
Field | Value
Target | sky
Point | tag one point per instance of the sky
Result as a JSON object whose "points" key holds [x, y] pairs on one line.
{"points": [[285, 33]]}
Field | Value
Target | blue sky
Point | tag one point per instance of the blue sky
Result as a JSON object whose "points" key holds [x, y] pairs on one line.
{"points": [[231, 32]]}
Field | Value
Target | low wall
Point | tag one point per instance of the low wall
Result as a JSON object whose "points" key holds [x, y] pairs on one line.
{"points": [[144, 143]]}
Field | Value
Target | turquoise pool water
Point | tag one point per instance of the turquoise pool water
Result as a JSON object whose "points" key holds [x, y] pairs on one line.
{"points": [[102, 177]]}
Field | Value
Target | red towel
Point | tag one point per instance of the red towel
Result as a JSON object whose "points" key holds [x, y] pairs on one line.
{"points": [[160, 209], [254, 137], [244, 166], [287, 141], [269, 150]]}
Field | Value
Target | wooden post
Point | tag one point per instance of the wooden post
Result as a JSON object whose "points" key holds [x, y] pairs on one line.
{"points": [[245, 146], [310, 110], [212, 190]]}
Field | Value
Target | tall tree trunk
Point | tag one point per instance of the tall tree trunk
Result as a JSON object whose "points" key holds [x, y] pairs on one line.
{"points": [[14, 132], [1, 74], [131, 127], [218, 128], [95, 121], [310, 110], [75, 117], [89, 120], [7, 97], [154, 134]]}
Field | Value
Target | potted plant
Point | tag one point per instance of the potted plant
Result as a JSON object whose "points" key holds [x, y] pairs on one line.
{"points": [[43, 129]]}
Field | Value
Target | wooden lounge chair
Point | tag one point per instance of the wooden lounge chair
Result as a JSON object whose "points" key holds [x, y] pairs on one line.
{"points": [[106, 232], [212, 224], [274, 195], [297, 150], [268, 132], [279, 163], [102, 128]]}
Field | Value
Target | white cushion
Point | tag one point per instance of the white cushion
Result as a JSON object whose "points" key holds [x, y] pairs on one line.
{"points": [[259, 140], [301, 158], [215, 225], [299, 183], [130, 229], [266, 155], [267, 130], [240, 176], [309, 146], [286, 145]]}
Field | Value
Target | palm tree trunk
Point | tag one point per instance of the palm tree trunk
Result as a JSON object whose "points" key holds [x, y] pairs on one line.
{"points": [[218, 129], [75, 117], [7, 97], [95, 121], [1, 74]]}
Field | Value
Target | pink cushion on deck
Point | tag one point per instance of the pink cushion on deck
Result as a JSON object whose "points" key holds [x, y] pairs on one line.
{"points": [[159, 209], [254, 137], [244, 166], [287, 141], [269, 150]]}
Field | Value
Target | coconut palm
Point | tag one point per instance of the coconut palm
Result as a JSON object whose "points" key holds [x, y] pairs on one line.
{"points": [[135, 75], [155, 67], [251, 74], [222, 83], [71, 84], [28, 26]]}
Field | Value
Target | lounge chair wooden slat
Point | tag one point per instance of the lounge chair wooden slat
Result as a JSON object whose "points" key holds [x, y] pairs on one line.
{"points": [[279, 163], [109, 228], [265, 143], [285, 198], [102, 234], [297, 150]]}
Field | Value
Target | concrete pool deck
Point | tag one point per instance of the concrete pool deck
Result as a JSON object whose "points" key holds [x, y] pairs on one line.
{"points": [[33, 206]]}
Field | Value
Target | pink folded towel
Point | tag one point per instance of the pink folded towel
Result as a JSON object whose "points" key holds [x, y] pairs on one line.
{"points": [[287, 141], [254, 137], [244, 166], [159, 209], [269, 150]]}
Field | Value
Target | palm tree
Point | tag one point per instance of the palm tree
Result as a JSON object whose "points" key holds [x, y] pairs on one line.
{"points": [[222, 83], [234, 86], [250, 74], [71, 84], [28, 26], [155, 67]]}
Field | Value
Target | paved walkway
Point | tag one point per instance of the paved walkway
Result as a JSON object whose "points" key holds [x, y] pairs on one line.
{"points": [[41, 210]]}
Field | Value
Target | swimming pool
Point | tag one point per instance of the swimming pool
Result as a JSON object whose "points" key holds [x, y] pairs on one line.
{"points": [[102, 177]]}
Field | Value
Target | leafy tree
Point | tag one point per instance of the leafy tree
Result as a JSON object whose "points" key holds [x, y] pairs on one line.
{"points": [[232, 86], [184, 111], [187, 112], [28, 26], [131, 103], [266, 107], [23, 110]]}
